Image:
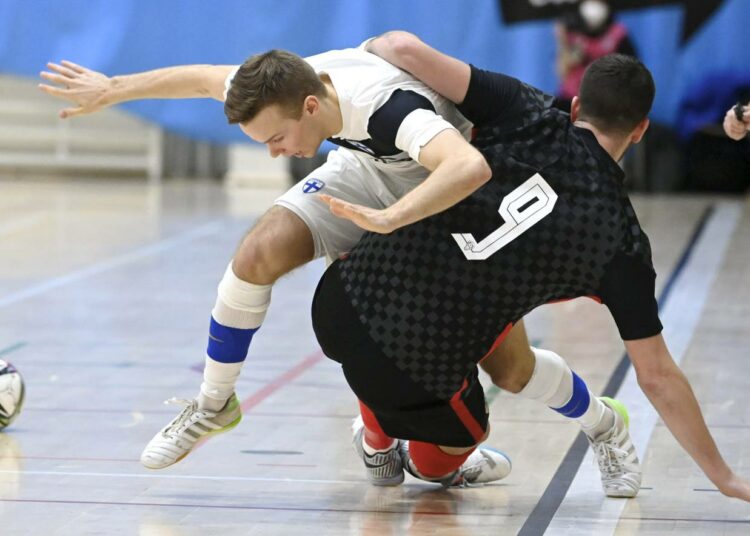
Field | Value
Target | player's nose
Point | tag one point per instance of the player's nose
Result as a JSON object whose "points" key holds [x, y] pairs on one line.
{"points": [[275, 151]]}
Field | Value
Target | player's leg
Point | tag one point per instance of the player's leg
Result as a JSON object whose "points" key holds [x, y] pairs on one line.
{"points": [[446, 438], [297, 229], [340, 335], [278, 243], [545, 377], [394, 405]]}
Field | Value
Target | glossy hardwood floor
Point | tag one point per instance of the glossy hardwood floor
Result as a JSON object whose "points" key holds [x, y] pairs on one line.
{"points": [[106, 289]]}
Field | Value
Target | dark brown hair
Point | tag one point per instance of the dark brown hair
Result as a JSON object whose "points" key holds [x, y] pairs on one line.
{"points": [[616, 93], [274, 77]]}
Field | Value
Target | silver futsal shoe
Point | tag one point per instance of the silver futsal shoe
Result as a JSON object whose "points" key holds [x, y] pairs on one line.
{"points": [[615, 453], [483, 465], [177, 439], [383, 468]]}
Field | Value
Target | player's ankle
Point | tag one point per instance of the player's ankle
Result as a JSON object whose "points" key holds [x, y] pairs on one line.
{"points": [[210, 403], [371, 450]]}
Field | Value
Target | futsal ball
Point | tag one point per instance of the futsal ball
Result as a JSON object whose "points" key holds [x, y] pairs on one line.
{"points": [[11, 393]]}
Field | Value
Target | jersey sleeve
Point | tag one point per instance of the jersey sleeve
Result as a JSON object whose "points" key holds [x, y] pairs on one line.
{"points": [[228, 80], [407, 121], [628, 290], [489, 96]]}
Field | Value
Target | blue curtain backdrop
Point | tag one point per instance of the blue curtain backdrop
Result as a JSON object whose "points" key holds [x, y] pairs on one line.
{"points": [[694, 81]]}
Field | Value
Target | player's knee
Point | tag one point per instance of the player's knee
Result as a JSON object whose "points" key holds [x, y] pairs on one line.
{"points": [[260, 261], [513, 371]]}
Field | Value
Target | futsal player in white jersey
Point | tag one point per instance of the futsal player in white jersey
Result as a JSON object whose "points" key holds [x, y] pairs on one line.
{"points": [[395, 134]]}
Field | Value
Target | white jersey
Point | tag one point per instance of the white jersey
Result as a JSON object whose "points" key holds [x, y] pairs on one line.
{"points": [[388, 115]]}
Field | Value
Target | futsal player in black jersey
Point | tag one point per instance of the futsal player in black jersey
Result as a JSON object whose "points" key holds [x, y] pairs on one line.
{"points": [[411, 311]]}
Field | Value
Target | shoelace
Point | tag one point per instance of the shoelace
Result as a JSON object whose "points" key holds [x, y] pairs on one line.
{"points": [[182, 421], [611, 459]]}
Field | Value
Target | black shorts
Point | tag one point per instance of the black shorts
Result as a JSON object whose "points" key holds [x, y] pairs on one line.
{"points": [[404, 409]]}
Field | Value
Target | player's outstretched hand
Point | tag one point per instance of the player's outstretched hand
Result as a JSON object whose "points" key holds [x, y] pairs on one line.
{"points": [[81, 86], [735, 486], [735, 128], [369, 219]]}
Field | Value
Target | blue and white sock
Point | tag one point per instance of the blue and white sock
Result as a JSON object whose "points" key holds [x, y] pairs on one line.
{"points": [[238, 313], [553, 383]]}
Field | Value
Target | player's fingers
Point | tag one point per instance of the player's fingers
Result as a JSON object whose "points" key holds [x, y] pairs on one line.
{"points": [[56, 78], [65, 71], [53, 90], [325, 198], [339, 208], [74, 66], [70, 112], [342, 209]]}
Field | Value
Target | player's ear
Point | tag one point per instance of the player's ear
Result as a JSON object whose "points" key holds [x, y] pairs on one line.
{"points": [[639, 131], [575, 109], [311, 105]]}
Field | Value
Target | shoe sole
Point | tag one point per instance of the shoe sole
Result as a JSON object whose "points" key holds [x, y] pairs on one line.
{"points": [[395, 481], [201, 439]]}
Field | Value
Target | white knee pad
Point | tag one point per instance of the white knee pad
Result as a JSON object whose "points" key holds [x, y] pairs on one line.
{"points": [[240, 304], [552, 380]]}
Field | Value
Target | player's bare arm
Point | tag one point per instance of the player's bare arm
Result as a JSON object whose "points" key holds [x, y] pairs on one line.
{"points": [[458, 169], [669, 391], [445, 74], [90, 91]]}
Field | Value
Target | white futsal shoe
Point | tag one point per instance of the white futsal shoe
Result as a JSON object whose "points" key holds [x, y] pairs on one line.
{"points": [[483, 465], [177, 439], [383, 468], [615, 453]]}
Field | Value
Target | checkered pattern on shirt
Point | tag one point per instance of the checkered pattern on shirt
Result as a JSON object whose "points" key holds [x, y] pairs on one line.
{"points": [[434, 312]]}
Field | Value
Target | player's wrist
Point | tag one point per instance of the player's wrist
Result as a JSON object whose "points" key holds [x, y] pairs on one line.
{"points": [[115, 91]]}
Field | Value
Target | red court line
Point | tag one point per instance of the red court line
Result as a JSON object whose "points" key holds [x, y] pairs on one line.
{"points": [[273, 386], [247, 404], [270, 388]]}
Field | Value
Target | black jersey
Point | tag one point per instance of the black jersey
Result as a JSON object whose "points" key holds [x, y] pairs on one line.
{"points": [[553, 223]]}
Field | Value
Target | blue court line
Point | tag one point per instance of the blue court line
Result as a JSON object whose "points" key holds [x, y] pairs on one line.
{"points": [[12, 348], [557, 489], [116, 262]]}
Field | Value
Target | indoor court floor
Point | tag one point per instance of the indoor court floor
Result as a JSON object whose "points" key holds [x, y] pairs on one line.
{"points": [[106, 288]]}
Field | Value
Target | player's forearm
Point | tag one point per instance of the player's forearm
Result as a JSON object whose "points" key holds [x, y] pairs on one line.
{"points": [[181, 82], [451, 181], [673, 398]]}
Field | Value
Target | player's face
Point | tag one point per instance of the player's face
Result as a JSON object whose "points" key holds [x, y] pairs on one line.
{"points": [[284, 135]]}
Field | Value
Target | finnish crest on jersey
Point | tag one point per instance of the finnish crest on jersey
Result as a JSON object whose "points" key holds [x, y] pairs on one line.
{"points": [[313, 185]]}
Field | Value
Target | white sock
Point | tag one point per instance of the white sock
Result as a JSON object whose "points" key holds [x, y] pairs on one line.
{"points": [[598, 418], [239, 305], [372, 451], [551, 383]]}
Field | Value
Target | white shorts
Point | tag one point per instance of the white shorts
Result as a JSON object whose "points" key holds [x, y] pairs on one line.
{"points": [[352, 178]]}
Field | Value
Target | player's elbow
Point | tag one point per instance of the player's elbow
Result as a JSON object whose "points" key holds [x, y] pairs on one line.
{"points": [[478, 170], [402, 47]]}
